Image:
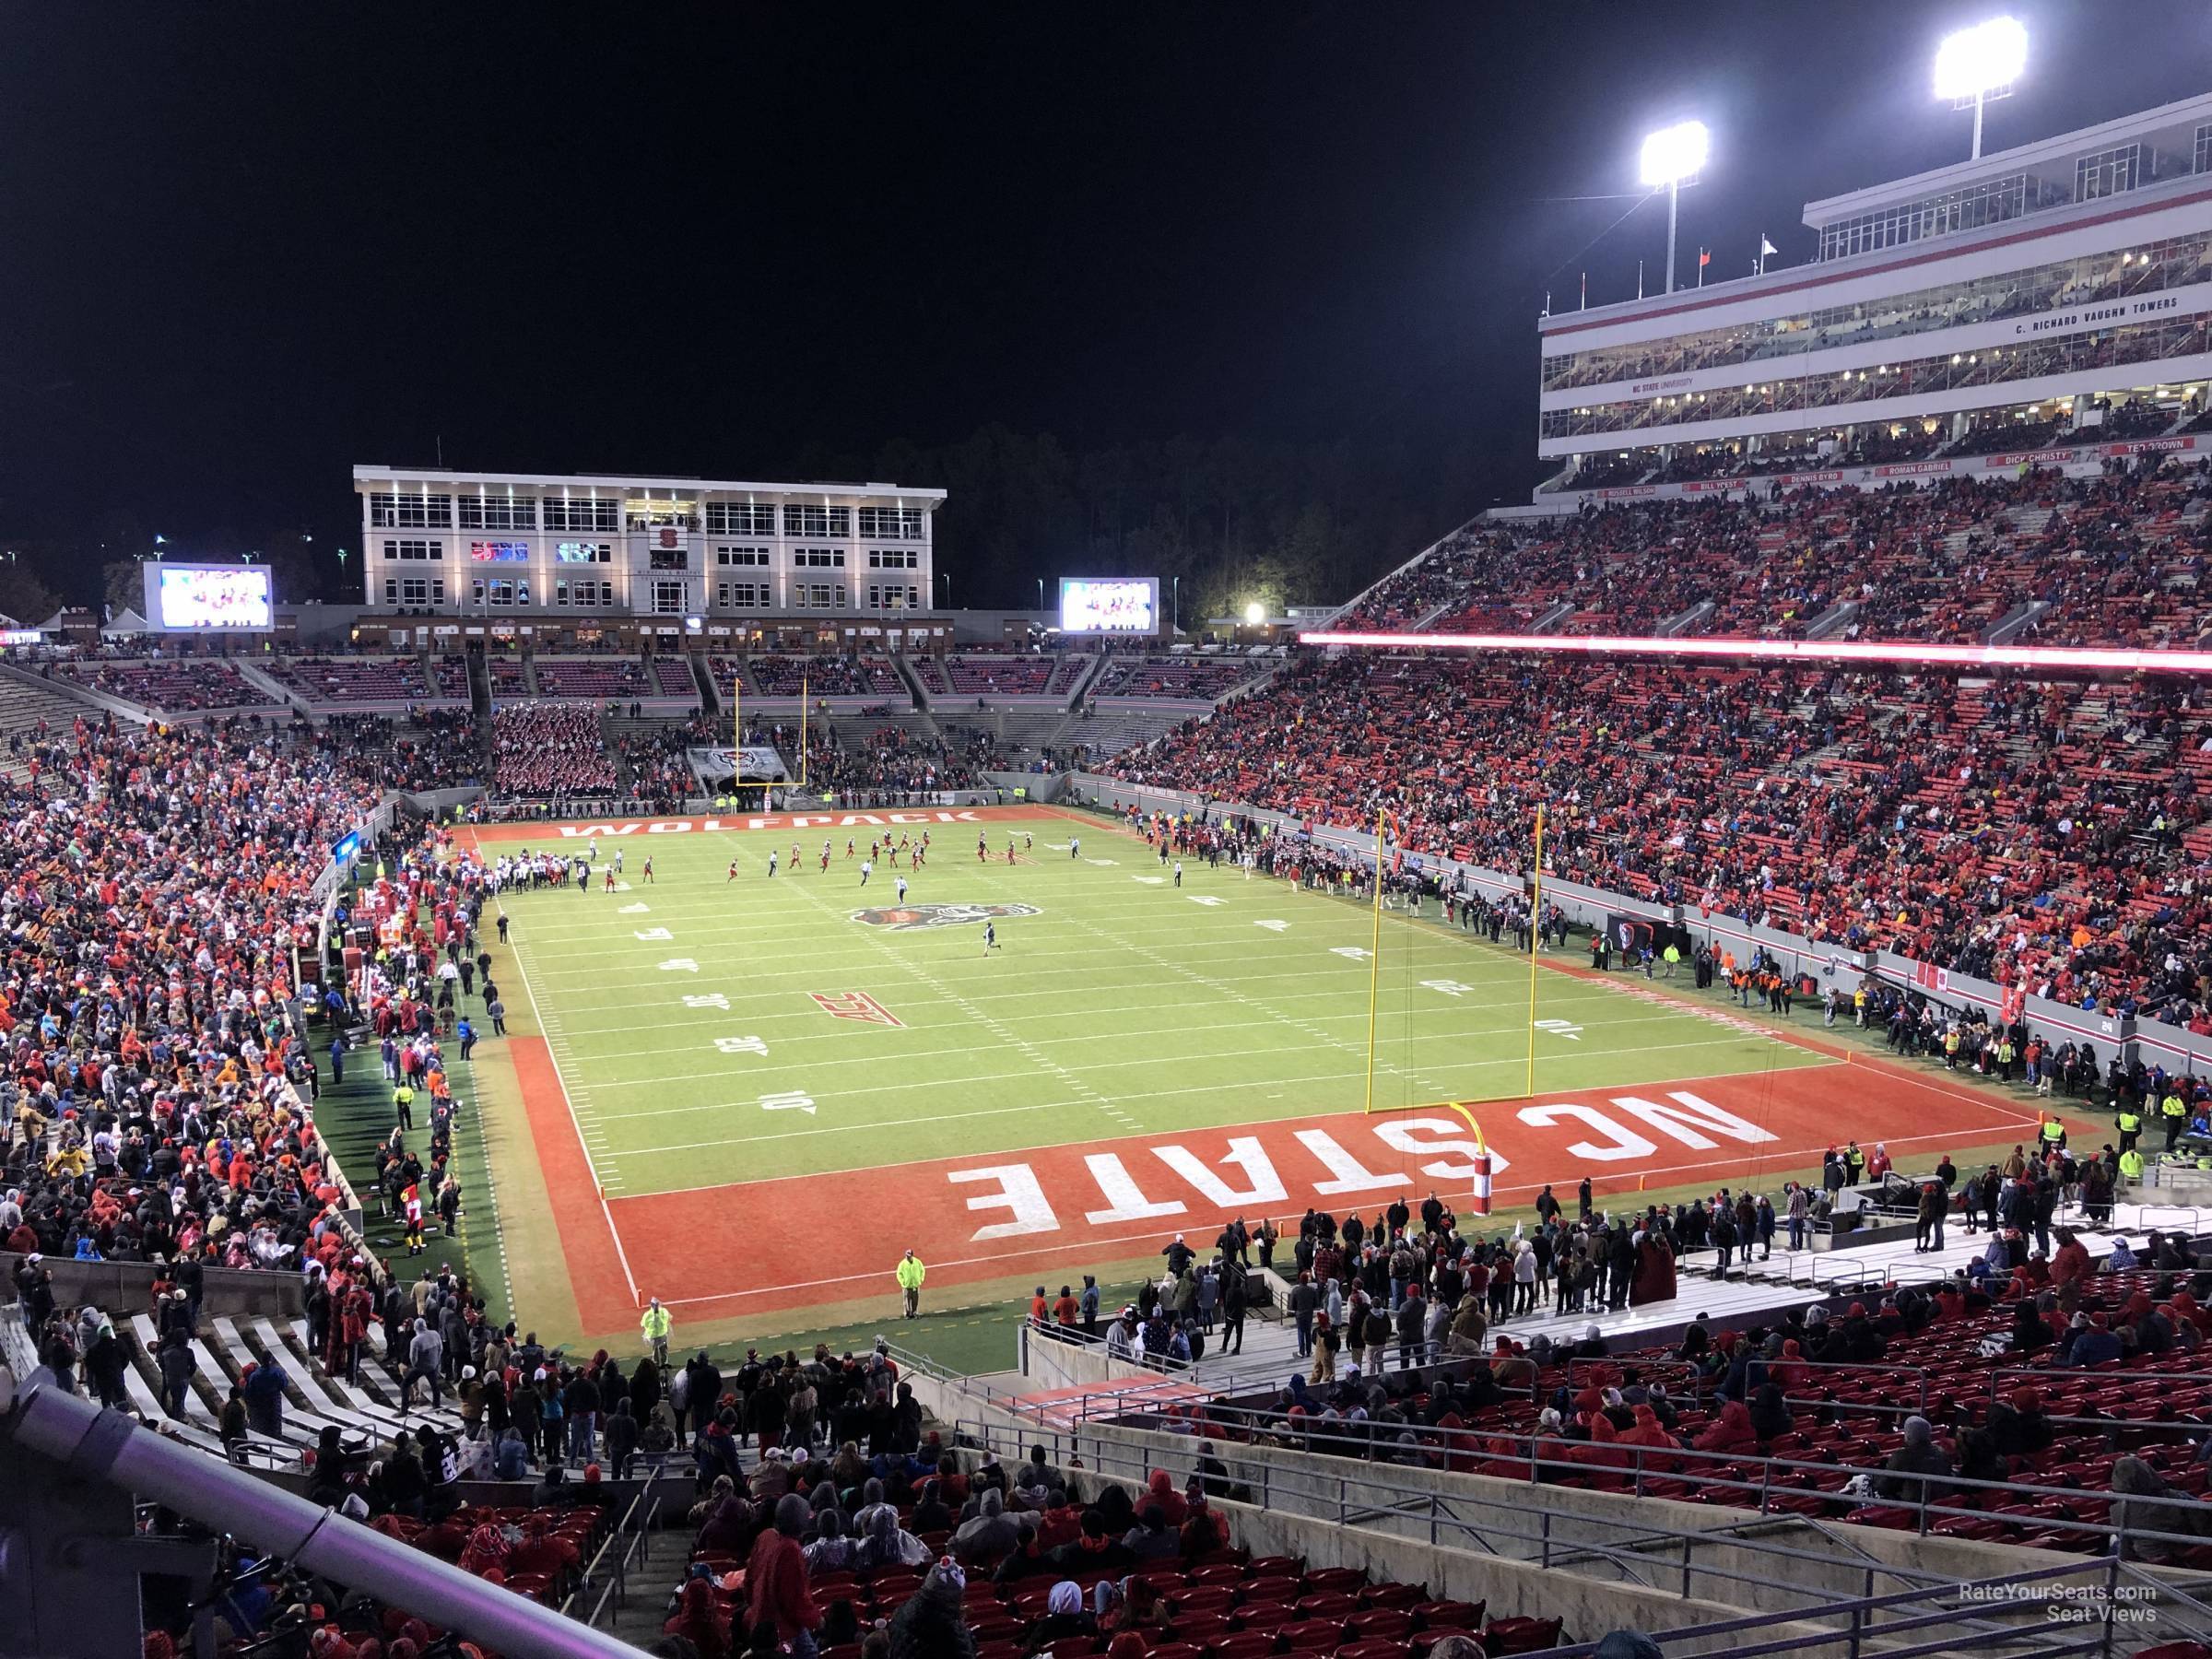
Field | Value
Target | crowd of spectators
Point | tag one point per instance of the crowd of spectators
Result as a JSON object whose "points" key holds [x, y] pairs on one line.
{"points": [[154, 1095], [654, 761], [425, 748], [550, 748], [2042, 833], [1797, 1384], [604, 678], [329, 680], [1041, 674], [1187, 679], [892, 765], [170, 686], [2118, 558], [849, 676]]}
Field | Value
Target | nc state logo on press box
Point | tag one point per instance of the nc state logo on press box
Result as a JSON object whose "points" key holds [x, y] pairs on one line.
{"points": [[941, 915]]}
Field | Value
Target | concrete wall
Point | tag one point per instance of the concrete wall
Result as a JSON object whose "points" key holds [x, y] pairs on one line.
{"points": [[129, 1284]]}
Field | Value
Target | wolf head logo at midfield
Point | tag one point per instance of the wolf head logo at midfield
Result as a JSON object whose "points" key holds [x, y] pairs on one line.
{"points": [[940, 916]]}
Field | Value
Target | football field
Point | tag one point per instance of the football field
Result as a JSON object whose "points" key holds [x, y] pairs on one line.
{"points": [[752, 1092]]}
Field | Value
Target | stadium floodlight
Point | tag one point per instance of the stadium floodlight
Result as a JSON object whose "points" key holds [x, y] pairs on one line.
{"points": [[1255, 613], [1978, 65], [1674, 156]]}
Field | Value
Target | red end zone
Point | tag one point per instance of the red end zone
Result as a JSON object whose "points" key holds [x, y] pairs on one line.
{"points": [[551, 835], [763, 1247]]}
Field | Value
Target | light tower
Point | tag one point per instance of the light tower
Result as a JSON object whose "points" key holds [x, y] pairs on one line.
{"points": [[1674, 156], [1978, 65]]}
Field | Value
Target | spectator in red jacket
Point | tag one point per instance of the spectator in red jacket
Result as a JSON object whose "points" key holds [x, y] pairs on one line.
{"points": [[776, 1584]]}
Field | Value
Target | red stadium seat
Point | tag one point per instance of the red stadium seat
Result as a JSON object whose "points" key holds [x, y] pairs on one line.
{"points": [[1394, 1622], [1373, 1648], [1449, 1615], [1521, 1635]]}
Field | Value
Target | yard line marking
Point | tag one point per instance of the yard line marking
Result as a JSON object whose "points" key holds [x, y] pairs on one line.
{"points": [[1120, 1035], [1118, 1063], [1039, 1146], [1382, 1069]]}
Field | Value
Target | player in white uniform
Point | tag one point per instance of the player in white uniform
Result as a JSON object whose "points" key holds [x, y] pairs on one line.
{"points": [[990, 938], [867, 868], [771, 863]]}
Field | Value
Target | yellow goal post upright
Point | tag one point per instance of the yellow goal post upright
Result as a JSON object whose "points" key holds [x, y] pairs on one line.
{"points": [[737, 779], [1385, 825]]}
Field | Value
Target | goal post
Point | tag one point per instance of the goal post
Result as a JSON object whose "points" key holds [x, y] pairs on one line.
{"points": [[737, 778]]}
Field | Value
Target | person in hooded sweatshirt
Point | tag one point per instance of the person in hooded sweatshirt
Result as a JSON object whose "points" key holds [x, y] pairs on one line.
{"points": [[1065, 1619], [1152, 1539], [990, 1534], [1159, 1488], [1731, 1431], [776, 1586], [1918, 1456]]}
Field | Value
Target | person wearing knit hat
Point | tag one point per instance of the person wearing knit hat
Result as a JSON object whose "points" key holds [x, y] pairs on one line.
{"points": [[932, 1622]]}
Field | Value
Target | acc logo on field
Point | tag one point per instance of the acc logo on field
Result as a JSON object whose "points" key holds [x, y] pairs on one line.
{"points": [[941, 915]]}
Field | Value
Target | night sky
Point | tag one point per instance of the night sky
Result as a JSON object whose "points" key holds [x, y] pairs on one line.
{"points": [[243, 247]]}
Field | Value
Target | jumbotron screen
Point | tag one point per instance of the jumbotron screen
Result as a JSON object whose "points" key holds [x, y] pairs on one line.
{"points": [[196, 597], [1125, 605]]}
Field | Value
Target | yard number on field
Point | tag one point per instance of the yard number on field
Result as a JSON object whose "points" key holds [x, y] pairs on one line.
{"points": [[1274, 927], [1561, 1028], [1358, 953], [791, 1101], [634, 910], [740, 1045], [654, 935], [679, 965], [1448, 987], [1204, 899], [1151, 880], [707, 999]]}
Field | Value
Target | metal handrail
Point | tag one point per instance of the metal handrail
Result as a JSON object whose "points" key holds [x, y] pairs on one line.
{"points": [[590, 1568], [1640, 1464], [1863, 1632], [1366, 1503]]}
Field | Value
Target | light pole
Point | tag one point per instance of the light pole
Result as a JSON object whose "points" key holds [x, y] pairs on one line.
{"points": [[1041, 595], [1175, 606], [946, 575], [1978, 65], [1674, 156]]}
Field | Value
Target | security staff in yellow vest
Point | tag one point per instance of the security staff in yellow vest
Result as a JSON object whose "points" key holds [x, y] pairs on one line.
{"points": [[2054, 1135], [2130, 1123], [2131, 1167], [2176, 1115]]}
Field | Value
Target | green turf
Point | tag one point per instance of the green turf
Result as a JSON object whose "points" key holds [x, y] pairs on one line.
{"points": [[1125, 1007], [356, 1116]]}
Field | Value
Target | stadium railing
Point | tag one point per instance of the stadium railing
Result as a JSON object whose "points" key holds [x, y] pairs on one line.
{"points": [[2079, 1606], [69, 1439], [628, 1543], [1330, 1493]]}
